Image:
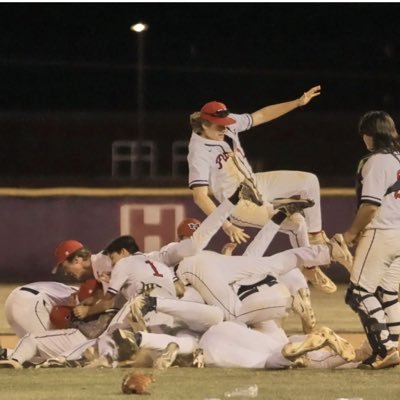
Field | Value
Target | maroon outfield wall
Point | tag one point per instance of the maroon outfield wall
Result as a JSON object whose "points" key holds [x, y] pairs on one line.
{"points": [[34, 221]]}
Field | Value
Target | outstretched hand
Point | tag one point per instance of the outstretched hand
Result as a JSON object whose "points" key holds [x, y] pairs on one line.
{"points": [[309, 95], [236, 234]]}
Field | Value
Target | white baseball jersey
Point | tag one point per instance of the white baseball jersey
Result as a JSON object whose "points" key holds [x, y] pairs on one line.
{"points": [[377, 258], [378, 173], [28, 307], [101, 264], [130, 274], [211, 162]]}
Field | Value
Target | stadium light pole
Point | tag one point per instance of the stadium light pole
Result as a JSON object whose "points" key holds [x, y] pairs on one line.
{"points": [[140, 28]]}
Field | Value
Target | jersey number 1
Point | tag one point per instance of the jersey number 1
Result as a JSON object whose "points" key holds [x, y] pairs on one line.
{"points": [[154, 268]]}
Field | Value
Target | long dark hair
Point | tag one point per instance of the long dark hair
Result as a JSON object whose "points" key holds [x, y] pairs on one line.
{"points": [[380, 126]]}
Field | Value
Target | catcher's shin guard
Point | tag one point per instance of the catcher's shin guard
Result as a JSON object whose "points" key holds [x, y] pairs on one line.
{"points": [[390, 305], [372, 326]]}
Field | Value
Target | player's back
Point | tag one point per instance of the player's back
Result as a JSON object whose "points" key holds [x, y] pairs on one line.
{"points": [[132, 272], [56, 291]]}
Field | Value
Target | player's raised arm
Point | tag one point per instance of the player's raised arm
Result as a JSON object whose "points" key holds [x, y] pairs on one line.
{"points": [[204, 202], [274, 111]]}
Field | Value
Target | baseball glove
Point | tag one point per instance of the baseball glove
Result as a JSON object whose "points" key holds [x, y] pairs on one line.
{"points": [[134, 383]]}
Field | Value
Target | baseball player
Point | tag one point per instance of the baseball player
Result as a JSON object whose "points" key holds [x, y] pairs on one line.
{"points": [[28, 307], [294, 280], [375, 277], [77, 261], [175, 252], [69, 336], [246, 288], [217, 161], [234, 345]]}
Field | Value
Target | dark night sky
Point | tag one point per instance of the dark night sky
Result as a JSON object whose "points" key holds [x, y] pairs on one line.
{"points": [[83, 56], [68, 74]]}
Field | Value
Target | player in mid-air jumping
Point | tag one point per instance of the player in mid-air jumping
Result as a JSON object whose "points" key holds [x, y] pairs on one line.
{"points": [[217, 162]]}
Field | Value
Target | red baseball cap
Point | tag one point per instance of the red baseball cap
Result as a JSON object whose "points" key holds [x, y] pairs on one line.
{"points": [[63, 250], [61, 317], [187, 227], [88, 288], [217, 113]]}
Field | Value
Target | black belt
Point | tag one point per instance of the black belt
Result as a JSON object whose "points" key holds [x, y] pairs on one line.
{"points": [[28, 289], [246, 290]]}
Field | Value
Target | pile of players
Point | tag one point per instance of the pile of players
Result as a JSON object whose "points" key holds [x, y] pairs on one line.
{"points": [[190, 306], [180, 304]]}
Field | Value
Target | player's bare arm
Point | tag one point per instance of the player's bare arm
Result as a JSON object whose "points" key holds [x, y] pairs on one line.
{"points": [[204, 202], [83, 311], [364, 216], [274, 111]]}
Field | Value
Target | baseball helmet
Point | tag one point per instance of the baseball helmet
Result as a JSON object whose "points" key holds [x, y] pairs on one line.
{"points": [[61, 317], [87, 289], [187, 227]]}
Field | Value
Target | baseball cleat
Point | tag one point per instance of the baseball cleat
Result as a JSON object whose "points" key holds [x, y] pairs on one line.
{"points": [[392, 359], [318, 238], [301, 305], [10, 364], [313, 341], [147, 288], [142, 305], [126, 343], [319, 280], [339, 345], [340, 252], [291, 205], [167, 357], [249, 192]]}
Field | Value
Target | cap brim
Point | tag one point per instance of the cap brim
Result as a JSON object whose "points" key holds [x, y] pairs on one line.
{"points": [[216, 120]]}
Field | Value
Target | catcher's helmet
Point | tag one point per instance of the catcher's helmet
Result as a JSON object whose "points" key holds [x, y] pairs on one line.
{"points": [[187, 227], [61, 317], [87, 289]]}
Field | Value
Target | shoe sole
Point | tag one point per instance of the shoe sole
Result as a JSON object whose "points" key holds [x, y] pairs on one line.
{"points": [[167, 358], [291, 351], [324, 284], [10, 364], [388, 362], [339, 345]]}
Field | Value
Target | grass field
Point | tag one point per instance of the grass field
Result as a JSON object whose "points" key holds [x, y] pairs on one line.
{"points": [[211, 383]]}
